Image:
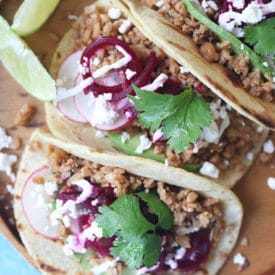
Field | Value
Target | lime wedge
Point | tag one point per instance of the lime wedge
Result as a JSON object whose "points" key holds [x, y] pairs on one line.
{"points": [[32, 14], [23, 64]]}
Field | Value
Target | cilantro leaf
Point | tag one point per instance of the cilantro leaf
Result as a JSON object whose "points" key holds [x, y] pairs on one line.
{"points": [[129, 252], [160, 106], [182, 116], [262, 36], [137, 253], [165, 215], [123, 217], [152, 248]]}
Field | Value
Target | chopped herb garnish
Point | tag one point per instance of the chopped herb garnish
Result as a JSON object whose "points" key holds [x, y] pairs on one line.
{"points": [[236, 44], [262, 36], [181, 117], [137, 242]]}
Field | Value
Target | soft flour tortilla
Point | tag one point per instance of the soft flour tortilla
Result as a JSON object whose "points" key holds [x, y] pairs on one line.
{"points": [[181, 47], [86, 134], [49, 256]]}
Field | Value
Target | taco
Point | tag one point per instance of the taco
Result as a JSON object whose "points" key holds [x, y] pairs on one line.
{"points": [[224, 61], [79, 211], [174, 118]]}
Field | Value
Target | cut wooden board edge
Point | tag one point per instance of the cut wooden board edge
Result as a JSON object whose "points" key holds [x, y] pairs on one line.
{"points": [[5, 231]]}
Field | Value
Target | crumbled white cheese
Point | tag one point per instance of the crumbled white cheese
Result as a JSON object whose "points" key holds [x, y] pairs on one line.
{"points": [[103, 113], [87, 190], [117, 65], [159, 4], [72, 17], [74, 244], [66, 221], [124, 137], [226, 162], [271, 183], [94, 202], [6, 162], [157, 83], [233, 20], [172, 263], [260, 129], [209, 4], [213, 133], [252, 13], [104, 266], [5, 140], [239, 259], [166, 162], [129, 74], [144, 144], [92, 232], [184, 70], [96, 61], [67, 250], [50, 187], [269, 147], [68, 208], [157, 135], [265, 64], [114, 13], [180, 253], [125, 26], [10, 189], [250, 156], [100, 134], [238, 4], [210, 170]]}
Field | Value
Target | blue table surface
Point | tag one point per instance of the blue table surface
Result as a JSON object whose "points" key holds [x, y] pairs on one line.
{"points": [[11, 262]]}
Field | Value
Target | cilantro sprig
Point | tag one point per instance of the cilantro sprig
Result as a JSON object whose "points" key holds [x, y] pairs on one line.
{"points": [[262, 36], [181, 117], [137, 242]]}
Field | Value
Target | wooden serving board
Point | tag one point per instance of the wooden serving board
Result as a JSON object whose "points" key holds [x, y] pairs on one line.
{"points": [[258, 200]]}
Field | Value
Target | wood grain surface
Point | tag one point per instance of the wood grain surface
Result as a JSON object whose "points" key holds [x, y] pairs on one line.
{"points": [[257, 199]]}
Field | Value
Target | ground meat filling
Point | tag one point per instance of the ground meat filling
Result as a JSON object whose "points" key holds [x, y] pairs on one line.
{"points": [[214, 50], [240, 135], [194, 214]]}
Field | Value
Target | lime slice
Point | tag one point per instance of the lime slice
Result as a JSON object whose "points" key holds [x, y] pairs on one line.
{"points": [[32, 14], [23, 64]]}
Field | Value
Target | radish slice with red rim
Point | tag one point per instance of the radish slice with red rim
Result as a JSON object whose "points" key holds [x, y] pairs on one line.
{"points": [[36, 204], [68, 76], [105, 115]]}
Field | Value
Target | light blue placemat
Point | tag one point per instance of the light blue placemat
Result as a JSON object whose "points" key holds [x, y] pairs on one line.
{"points": [[11, 262]]}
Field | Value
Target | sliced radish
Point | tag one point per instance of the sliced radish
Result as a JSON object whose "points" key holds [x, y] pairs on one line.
{"points": [[69, 76], [108, 117], [36, 204]]}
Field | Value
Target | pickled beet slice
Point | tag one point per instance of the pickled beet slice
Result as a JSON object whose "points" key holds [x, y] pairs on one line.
{"points": [[101, 246], [197, 254]]}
